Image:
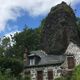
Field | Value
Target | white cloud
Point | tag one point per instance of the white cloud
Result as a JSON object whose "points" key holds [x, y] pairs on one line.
{"points": [[10, 9]]}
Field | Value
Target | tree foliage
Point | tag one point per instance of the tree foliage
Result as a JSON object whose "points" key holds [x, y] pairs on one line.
{"points": [[28, 38], [76, 73], [11, 56], [15, 65]]}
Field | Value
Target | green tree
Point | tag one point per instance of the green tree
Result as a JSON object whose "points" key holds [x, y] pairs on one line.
{"points": [[5, 42], [12, 56], [4, 45], [1, 50], [15, 65], [76, 73], [28, 38]]}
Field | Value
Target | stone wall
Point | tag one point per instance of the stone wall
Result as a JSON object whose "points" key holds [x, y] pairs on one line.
{"points": [[74, 50], [33, 72]]}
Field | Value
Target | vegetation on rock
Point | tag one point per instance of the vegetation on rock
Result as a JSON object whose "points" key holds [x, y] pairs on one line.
{"points": [[59, 29]]}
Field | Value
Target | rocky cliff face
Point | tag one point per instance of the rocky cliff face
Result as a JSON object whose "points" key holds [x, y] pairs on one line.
{"points": [[59, 29]]}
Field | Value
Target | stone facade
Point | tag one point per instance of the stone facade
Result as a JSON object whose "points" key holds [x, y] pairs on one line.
{"points": [[54, 69], [49, 67], [74, 50]]}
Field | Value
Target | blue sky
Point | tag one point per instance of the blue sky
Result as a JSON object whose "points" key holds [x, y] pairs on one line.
{"points": [[14, 16], [19, 24], [77, 7]]}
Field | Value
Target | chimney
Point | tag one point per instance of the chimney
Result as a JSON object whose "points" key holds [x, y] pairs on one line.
{"points": [[26, 56]]}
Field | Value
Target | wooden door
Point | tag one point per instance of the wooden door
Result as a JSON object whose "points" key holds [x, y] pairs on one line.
{"points": [[50, 75], [71, 62], [39, 75]]}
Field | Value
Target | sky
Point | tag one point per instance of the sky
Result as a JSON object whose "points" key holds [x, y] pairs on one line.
{"points": [[15, 14]]}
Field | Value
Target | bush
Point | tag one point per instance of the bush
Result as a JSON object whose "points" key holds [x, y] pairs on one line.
{"points": [[60, 78], [15, 65], [76, 73]]}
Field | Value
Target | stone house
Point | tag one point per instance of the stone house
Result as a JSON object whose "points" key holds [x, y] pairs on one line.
{"points": [[41, 66]]}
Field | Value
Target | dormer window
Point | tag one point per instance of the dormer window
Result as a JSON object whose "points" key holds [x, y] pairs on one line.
{"points": [[32, 61]]}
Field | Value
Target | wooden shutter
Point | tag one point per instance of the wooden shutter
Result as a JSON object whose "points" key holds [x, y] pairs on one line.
{"points": [[71, 62], [39, 75], [50, 75]]}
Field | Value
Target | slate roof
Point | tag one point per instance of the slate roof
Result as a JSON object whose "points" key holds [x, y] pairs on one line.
{"points": [[52, 59], [39, 53], [47, 59]]}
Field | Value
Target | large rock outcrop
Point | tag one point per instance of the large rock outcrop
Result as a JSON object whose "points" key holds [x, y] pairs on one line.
{"points": [[59, 29]]}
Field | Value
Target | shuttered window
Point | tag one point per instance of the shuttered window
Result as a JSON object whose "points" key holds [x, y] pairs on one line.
{"points": [[50, 75], [71, 62], [39, 75]]}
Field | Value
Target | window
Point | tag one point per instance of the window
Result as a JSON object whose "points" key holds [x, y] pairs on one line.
{"points": [[50, 75], [32, 61], [71, 62], [58, 71], [39, 75]]}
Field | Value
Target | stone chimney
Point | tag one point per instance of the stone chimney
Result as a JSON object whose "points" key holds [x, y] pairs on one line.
{"points": [[26, 56]]}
